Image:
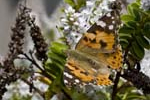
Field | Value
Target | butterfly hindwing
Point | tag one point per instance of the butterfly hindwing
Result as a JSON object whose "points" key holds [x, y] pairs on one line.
{"points": [[85, 69]]}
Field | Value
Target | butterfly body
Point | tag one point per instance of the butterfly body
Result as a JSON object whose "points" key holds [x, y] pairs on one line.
{"points": [[96, 53]]}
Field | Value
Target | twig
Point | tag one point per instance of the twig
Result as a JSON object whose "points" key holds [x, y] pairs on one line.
{"points": [[33, 61], [36, 89], [43, 72], [119, 73], [66, 93], [115, 85]]}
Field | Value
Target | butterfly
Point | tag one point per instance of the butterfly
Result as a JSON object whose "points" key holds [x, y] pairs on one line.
{"points": [[96, 53]]}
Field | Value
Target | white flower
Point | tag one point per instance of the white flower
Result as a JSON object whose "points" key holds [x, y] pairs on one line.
{"points": [[64, 20], [69, 10], [145, 65], [76, 23], [89, 3], [145, 4], [112, 0]]}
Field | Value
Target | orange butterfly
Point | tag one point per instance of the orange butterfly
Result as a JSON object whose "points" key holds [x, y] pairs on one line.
{"points": [[97, 52]]}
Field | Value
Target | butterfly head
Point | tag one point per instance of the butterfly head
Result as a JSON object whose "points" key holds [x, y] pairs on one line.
{"points": [[115, 5]]}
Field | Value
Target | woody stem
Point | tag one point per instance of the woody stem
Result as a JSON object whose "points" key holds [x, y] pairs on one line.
{"points": [[115, 85]]}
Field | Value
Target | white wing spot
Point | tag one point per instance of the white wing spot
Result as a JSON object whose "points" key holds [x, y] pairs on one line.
{"points": [[101, 23], [112, 17], [94, 70], [113, 22], [68, 75], [65, 81], [111, 27], [77, 81], [108, 15]]}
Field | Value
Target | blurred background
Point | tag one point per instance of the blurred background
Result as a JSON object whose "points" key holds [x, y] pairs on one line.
{"points": [[44, 10]]}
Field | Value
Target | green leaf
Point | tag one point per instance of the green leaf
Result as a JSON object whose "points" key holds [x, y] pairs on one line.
{"points": [[138, 2], [147, 96], [124, 43], [129, 9], [146, 30], [132, 7], [76, 4], [143, 42], [136, 14], [70, 2], [126, 18], [132, 24], [57, 47], [132, 96], [126, 29], [125, 36], [135, 5], [137, 51], [80, 3], [57, 58]]}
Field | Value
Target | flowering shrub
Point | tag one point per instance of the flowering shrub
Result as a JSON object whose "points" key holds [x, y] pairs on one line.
{"points": [[78, 16]]}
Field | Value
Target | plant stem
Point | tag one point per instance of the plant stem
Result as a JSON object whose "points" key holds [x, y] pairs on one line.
{"points": [[115, 85]]}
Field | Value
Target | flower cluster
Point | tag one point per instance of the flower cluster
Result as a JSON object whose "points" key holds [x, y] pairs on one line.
{"points": [[145, 4], [17, 37], [39, 42], [8, 73], [75, 23]]}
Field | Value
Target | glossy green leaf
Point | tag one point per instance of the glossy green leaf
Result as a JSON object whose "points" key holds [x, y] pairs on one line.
{"points": [[136, 96], [126, 18], [143, 42], [135, 5], [126, 29], [146, 30], [129, 9], [70, 2], [132, 24], [132, 7], [136, 14], [57, 47], [126, 89], [124, 42], [137, 51], [125, 36], [76, 4]]}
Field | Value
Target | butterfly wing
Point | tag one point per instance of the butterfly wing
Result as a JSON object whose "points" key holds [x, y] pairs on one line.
{"points": [[101, 37], [84, 69], [96, 52], [102, 41]]}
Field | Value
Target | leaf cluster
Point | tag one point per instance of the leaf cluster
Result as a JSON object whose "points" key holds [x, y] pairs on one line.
{"points": [[76, 4], [135, 32]]}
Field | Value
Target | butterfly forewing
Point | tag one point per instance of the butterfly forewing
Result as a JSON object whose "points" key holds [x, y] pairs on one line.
{"points": [[101, 37]]}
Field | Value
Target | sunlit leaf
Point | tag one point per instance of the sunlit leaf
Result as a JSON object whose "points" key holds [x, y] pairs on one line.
{"points": [[126, 18]]}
